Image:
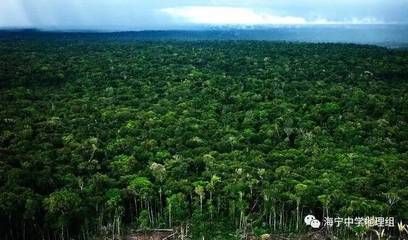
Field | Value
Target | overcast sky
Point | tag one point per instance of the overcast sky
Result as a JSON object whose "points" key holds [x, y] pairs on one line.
{"points": [[173, 14]]}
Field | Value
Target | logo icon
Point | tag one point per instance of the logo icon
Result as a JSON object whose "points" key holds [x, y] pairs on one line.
{"points": [[311, 220]]}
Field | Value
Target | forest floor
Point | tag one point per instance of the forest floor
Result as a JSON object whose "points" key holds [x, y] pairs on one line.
{"points": [[166, 235], [151, 235]]}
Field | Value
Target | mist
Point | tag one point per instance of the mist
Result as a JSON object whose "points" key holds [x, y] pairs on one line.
{"points": [[165, 15]]}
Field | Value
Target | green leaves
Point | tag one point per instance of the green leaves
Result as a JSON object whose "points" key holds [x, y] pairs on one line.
{"points": [[113, 198], [140, 186], [123, 165], [158, 171], [247, 135], [62, 202]]}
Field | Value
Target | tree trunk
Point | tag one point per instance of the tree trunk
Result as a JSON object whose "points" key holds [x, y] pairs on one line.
{"points": [[135, 202], [201, 203], [281, 217], [148, 210], [211, 208], [274, 218], [118, 225], [170, 215], [24, 230], [160, 196], [113, 229], [297, 214], [218, 205]]}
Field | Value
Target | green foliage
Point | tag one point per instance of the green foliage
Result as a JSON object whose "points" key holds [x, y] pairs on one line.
{"points": [[143, 220], [62, 207], [62, 202], [236, 137], [140, 186]]}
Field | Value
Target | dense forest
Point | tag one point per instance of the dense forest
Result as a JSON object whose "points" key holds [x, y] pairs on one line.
{"points": [[219, 139]]}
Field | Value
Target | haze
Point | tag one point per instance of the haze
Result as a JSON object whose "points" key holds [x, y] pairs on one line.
{"points": [[171, 14]]}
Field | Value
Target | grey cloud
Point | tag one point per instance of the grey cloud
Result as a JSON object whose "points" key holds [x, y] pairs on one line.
{"points": [[135, 14]]}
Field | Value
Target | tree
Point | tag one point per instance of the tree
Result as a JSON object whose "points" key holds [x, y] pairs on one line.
{"points": [[62, 206], [144, 220], [115, 209], [141, 188], [159, 172], [176, 206]]}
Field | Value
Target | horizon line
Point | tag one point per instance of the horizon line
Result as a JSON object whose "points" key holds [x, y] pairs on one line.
{"points": [[203, 27]]}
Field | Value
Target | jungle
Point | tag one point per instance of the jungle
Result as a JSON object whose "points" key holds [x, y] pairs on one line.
{"points": [[103, 137]]}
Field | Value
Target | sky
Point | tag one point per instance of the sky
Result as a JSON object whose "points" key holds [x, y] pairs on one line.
{"points": [[179, 14]]}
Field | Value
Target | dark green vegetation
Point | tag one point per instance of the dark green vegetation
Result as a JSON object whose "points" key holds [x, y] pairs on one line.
{"points": [[98, 136]]}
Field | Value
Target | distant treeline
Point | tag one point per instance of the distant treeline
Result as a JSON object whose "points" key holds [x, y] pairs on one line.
{"points": [[393, 36]]}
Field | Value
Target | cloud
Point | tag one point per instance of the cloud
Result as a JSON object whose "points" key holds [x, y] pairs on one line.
{"points": [[228, 16], [12, 14], [366, 20], [171, 14], [351, 21], [222, 15]]}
